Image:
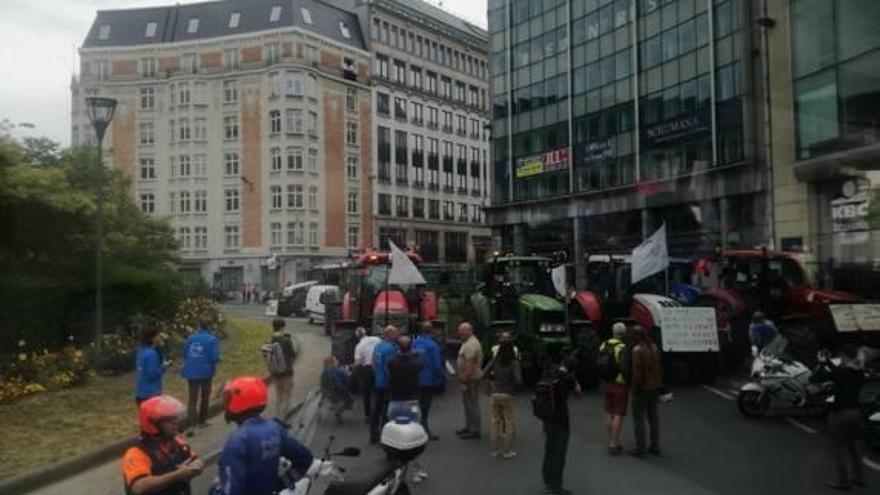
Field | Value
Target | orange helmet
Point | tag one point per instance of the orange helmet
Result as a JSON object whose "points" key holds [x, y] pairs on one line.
{"points": [[244, 394], [156, 409]]}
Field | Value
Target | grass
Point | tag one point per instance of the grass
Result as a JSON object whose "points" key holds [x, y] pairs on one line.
{"points": [[55, 426]]}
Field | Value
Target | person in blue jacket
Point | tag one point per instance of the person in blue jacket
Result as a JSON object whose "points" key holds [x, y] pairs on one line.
{"points": [[433, 374], [201, 353], [150, 365], [250, 458], [383, 351]]}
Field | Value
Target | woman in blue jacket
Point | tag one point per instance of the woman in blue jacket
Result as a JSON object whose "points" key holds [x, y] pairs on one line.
{"points": [[150, 365]]}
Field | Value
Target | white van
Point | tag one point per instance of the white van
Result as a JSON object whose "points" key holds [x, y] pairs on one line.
{"points": [[314, 304]]}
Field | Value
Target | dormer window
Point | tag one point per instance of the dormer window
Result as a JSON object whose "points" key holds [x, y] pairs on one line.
{"points": [[104, 32], [307, 15], [344, 30], [234, 19], [192, 26], [151, 30], [276, 14]]}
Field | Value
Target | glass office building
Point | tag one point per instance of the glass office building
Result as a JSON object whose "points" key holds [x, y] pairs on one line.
{"points": [[612, 117]]}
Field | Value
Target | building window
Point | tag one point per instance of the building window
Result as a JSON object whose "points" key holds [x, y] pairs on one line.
{"points": [[201, 202], [382, 66], [234, 19], [418, 207], [400, 108], [295, 196], [313, 197], [462, 212], [353, 236], [382, 104], [293, 120], [351, 99], [148, 203], [384, 204], [415, 77], [294, 159], [185, 202], [183, 129], [352, 203], [276, 159], [456, 247], [230, 91], [277, 235], [312, 54], [399, 72], [313, 160], [295, 233], [434, 209], [402, 204], [351, 167], [104, 32], [201, 238], [183, 238], [200, 129], [274, 122], [313, 234], [200, 165], [270, 53], [147, 132], [277, 198], [447, 122], [192, 26], [417, 113], [232, 237], [383, 138], [184, 166], [351, 133], [190, 63], [432, 118], [231, 58], [231, 160], [232, 200], [230, 127], [148, 98], [448, 210], [147, 67], [275, 16], [431, 80], [313, 123], [293, 84], [148, 168], [306, 15]]}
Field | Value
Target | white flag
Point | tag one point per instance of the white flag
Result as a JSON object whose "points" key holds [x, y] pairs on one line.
{"points": [[650, 256], [558, 277], [403, 270]]}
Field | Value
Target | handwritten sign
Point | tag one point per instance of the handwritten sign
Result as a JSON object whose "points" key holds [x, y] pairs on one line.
{"points": [[689, 329], [856, 317]]}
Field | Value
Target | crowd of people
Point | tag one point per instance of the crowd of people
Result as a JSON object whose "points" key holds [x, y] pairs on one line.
{"points": [[399, 375]]}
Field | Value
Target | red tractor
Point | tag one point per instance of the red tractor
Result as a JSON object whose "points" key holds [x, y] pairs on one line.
{"points": [[778, 284], [369, 301]]}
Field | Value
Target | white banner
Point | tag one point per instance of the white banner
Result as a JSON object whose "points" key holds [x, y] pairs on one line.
{"points": [[272, 307], [689, 329], [855, 317], [403, 270], [651, 256], [558, 277]]}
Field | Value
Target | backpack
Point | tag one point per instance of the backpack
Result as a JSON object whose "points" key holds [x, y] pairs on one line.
{"points": [[273, 355], [606, 363], [544, 400]]}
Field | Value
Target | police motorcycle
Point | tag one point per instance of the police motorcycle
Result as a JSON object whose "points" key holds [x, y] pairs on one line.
{"points": [[403, 440], [781, 385]]}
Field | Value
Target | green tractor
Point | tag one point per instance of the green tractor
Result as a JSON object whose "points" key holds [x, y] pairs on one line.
{"points": [[518, 296]]}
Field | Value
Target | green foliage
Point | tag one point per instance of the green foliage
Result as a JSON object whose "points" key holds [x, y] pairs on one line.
{"points": [[47, 240]]}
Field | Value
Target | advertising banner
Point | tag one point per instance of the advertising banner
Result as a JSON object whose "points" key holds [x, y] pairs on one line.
{"points": [[684, 128], [550, 161]]}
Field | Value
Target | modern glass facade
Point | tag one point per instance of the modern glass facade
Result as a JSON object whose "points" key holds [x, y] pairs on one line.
{"points": [[619, 115]]}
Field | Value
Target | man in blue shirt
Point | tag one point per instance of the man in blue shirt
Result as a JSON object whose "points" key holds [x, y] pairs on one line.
{"points": [[250, 458], [383, 351], [201, 353], [433, 373], [149, 365], [762, 331]]}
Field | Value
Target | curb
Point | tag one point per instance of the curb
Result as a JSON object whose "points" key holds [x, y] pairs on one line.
{"points": [[58, 471]]}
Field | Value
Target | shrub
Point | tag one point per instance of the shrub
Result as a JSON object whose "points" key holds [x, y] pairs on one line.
{"points": [[32, 372]]}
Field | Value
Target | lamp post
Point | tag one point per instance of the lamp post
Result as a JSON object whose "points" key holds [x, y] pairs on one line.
{"points": [[100, 112]]}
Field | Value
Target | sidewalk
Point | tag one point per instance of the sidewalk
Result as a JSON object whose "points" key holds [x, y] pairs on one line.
{"points": [[107, 478]]}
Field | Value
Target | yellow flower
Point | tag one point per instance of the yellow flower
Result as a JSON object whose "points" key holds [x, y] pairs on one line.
{"points": [[21, 343], [22, 357]]}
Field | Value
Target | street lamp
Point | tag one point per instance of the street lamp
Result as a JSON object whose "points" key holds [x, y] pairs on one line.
{"points": [[100, 112]]}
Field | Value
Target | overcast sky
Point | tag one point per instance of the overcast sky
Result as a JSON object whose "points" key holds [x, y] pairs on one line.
{"points": [[38, 42]]}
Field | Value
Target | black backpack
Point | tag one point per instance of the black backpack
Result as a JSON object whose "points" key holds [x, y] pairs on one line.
{"points": [[606, 363], [545, 400]]}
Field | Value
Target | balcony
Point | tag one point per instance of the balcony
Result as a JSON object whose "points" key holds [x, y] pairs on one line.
{"points": [[476, 193], [418, 184], [462, 190], [401, 181], [432, 126], [461, 132], [433, 186], [447, 129], [417, 122]]}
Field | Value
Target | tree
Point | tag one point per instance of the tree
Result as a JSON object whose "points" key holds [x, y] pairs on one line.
{"points": [[40, 151]]}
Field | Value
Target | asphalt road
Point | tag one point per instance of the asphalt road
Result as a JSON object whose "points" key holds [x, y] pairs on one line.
{"points": [[707, 448]]}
